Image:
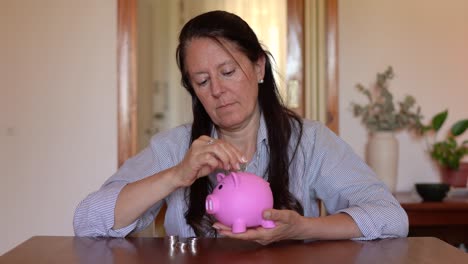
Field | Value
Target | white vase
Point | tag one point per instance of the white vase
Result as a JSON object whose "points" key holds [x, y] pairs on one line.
{"points": [[382, 157]]}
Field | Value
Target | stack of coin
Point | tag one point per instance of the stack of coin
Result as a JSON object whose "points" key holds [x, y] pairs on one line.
{"points": [[192, 243], [181, 247], [172, 241]]}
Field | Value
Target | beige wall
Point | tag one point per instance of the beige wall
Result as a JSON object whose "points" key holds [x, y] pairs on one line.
{"points": [[426, 42], [57, 112]]}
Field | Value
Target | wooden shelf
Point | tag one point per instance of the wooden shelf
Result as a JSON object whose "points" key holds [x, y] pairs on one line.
{"points": [[447, 220]]}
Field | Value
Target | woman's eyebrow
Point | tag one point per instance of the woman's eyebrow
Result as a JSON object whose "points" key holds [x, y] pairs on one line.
{"points": [[226, 62], [217, 66]]}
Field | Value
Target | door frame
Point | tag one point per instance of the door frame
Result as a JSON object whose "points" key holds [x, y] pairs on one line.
{"points": [[127, 74]]}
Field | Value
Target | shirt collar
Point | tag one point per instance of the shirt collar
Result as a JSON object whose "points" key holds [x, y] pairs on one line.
{"points": [[262, 135]]}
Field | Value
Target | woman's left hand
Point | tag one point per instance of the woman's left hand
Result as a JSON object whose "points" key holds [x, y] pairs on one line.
{"points": [[288, 226]]}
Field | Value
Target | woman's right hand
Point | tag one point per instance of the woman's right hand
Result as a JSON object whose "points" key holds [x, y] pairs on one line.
{"points": [[205, 155]]}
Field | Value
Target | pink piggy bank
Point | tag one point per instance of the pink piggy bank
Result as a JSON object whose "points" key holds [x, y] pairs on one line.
{"points": [[239, 200]]}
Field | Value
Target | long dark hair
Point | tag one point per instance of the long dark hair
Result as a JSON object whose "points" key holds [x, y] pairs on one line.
{"points": [[278, 119]]}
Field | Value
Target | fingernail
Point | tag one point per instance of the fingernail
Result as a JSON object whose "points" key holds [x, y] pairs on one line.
{"points": [[267, 215], [216, 227], [238, 166], [243, 159]]}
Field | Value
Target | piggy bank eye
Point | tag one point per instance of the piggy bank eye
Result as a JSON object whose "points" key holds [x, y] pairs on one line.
{"points": [[220, 187]]}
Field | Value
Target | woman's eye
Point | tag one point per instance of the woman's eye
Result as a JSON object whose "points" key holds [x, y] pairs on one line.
{"points": [[202, 83], [228, 73]]}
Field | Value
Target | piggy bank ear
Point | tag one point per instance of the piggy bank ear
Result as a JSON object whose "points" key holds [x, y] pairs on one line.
{"points": [[235, 178], [220, 177]]}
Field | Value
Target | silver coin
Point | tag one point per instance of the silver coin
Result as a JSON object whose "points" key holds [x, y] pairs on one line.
{"points": [[172, 240], [242, 166], [181, 245], [192, 240], [193, 249]]}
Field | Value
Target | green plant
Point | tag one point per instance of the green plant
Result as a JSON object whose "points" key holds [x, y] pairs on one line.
{"points": [[448, 152], [380, 114]]}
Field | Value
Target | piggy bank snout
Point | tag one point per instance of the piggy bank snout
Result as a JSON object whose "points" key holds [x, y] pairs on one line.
{"points": [[211, 204]]}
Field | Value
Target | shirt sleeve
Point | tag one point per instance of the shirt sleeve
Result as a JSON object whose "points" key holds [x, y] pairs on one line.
{"points": [[94, 216], [347, 185]]}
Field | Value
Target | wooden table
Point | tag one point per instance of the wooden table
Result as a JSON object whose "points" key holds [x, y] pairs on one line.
{"points": [[45, 249], [447, 220]]}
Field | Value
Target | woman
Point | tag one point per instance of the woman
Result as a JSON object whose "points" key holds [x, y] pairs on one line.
{"points": [[239, 120]]}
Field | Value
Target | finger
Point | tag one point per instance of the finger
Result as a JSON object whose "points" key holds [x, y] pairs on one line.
{"points": [[205, 171], [235, 156], [205, 144], [208, 163], [259, 235], [276, 215], [250, 234], [205, 138], [202, 141], [201, 156], [219, 151], [229, 156], [218, 226]]}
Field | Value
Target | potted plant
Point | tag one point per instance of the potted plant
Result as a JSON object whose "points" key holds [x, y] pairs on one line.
{"points": [[383, 117], [448, 153]]}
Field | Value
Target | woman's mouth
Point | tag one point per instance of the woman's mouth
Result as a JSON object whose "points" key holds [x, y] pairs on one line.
{"points": [[224, 105]]}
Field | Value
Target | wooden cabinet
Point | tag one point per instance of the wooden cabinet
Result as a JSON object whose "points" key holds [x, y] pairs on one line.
{"points": [[447, 220]]}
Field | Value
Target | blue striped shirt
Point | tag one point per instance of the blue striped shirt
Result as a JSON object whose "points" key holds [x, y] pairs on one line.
{"points": [[324, 168]]}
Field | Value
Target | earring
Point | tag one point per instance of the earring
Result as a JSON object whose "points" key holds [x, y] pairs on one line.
{"points": [[261, 81]]}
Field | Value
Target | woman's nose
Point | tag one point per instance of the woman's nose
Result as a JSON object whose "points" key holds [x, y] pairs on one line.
{"points": [[217, 88]]}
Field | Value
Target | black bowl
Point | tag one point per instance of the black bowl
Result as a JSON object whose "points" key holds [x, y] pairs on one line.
{"points": [[432, 192]]}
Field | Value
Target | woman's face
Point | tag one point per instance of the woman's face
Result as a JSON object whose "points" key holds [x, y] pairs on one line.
{"points": [[224, 80]]}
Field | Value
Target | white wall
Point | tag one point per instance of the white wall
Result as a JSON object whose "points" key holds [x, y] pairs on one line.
{"points": [[426, 42], [58, 101]]}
